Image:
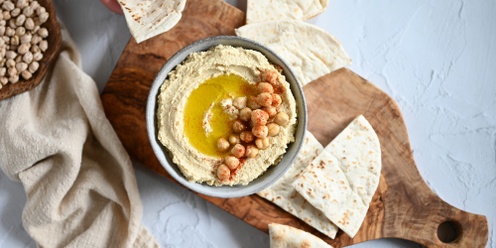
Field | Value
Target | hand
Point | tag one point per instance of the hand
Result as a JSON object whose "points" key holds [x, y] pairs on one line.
{"points": [[113, 5]]}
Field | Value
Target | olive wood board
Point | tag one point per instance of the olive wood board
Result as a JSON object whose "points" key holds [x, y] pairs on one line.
{"points": [[403, 206], [49, 56]]}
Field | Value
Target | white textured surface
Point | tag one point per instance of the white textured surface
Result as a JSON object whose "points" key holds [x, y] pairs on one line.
{"points": [[437, 59]]}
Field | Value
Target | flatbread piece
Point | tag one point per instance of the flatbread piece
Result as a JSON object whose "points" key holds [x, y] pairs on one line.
{"points": [[269, 10], [325, 186], [149, 18], [282, 236], [309, 51], [285, 196], [358, 151]]}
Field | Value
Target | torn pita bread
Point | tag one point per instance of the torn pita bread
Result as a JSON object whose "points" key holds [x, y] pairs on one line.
{"points": [[282, 236], [309, 51], [285, 196], [269, 10], [359, 153], [325, 186], [149, 18]]}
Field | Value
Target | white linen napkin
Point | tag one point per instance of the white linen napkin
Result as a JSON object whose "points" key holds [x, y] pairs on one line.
{"points": [[80, 183]]}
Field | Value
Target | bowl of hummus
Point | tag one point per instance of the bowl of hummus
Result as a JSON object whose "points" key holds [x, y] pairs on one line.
{"points": [[226, 117]]}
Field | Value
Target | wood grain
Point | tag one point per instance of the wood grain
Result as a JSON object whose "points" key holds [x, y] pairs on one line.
{"points": [[403, 206], [49, 56]]}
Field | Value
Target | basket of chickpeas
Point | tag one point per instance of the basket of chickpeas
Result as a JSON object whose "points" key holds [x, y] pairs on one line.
{"points": [[226, 117], [30, 39]]}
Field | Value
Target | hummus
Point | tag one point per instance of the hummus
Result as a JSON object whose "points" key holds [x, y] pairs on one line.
{"points": [[195, 109]]}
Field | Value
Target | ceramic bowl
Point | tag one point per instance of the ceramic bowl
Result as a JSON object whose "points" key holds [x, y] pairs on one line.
{"points": [[274, 172]]}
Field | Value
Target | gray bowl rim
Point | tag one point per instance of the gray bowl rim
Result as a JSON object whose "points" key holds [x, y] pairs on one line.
{"points": [[274, 172]]}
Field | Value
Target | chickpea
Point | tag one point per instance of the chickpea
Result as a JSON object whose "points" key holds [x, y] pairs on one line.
{"points": [[274, 129], [260, 131], [238, 151], [259, 117], [281, 118], [271, 76], [264, 99], [231, 162], [271, 110], [252, 103], [262, 143], [245, 114], [238, 126], [247, 136], [265, 87], [234, 139], [251, 151], [223, 172], [276, 100], [222, 145], [240, 102]]}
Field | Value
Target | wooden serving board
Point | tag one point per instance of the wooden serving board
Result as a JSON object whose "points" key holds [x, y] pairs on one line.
{"points": [[403, 206]]}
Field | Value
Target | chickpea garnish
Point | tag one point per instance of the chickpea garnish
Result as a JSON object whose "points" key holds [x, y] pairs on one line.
{"points": [[265, 87], [234, 139], [223, 172], [238, 126], [231, 162], [240, 102], [260, 131], [223, 145], [252, 103], [262, 143], [276, 100], [259, 117], [274, 129], [264, 99], [251, 151], [247, 136], [281, 118], [245, 114], [238, 151], [271, 110]]}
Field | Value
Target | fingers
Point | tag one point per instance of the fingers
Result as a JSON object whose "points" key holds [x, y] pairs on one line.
{"points": [[113, 5]]}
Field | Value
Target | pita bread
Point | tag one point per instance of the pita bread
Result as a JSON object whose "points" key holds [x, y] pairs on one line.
{"points": [[311, 52], [282, 236], [325, 186], [358, 151], [149, 18], [285, 196], [269, 10]]}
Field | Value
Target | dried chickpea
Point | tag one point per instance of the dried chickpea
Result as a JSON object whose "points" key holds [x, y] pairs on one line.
{"points": [[259, 117], [222, 144], [247, 136], [273, 129], [33, 66], [281, 118], [245, 114], [262, 143], [231, 162], [26, 74], [223, 172], [260, 131], [238, 150], [251, 151]]}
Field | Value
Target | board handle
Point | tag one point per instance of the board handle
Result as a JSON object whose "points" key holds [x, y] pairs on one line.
{"points": [[435, 223]]}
